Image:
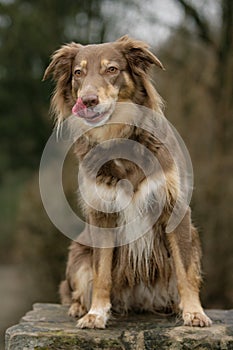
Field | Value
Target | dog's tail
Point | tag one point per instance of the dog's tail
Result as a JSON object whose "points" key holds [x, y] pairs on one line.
{"points": [[65, 293]]}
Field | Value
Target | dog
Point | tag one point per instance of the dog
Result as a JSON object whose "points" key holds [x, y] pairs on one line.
{"points": [[157, 271]]}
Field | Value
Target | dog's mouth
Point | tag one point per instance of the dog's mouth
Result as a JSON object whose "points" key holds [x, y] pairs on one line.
{"points": [[91, 116], [97, 115]]}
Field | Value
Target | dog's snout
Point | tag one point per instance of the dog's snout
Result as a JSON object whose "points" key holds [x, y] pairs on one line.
{"points": [[90, 100]]}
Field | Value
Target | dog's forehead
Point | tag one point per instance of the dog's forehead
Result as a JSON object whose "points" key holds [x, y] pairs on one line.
{"points": [[94, 54]]}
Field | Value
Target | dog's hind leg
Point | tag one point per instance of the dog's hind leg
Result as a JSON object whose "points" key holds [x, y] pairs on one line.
{"points": [[81, 296], [78, 307], [65, 293], [76, 290]]}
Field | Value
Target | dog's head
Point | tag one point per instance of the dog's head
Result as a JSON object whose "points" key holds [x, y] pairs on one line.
{"points": [[91, 79]]}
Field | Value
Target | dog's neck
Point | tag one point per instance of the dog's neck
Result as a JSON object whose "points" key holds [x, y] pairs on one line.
{"points": [[98, 135]]}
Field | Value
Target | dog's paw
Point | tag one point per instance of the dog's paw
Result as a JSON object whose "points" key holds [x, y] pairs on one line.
{"points": [[196, 319], [92, 320], [77, 310]]}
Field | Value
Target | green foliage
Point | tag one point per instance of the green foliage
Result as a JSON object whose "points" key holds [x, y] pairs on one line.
{"points": [[29, 32], [10, 194]]}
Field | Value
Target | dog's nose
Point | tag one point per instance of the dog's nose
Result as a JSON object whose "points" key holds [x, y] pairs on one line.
{"points": [[90, 100]]}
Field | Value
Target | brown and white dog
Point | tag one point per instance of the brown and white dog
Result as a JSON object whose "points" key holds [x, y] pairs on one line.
{"points": [[159, 271]]}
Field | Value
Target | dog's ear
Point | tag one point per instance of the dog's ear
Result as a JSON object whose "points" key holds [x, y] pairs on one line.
{"points": [[61, 62], [60, 68], [137, 54]]}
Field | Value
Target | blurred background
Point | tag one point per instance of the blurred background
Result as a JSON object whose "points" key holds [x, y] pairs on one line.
{"points": [[194, 41]]}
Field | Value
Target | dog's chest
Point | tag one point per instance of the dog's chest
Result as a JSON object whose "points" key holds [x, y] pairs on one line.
{"points": [[119, 169], [121, 186]]}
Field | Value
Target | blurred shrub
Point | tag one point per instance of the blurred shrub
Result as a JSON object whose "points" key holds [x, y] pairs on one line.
{"points": [[38, 244]]}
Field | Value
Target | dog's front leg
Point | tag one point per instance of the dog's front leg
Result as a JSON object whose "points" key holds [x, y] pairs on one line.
{"points": [[186, 252], [102, 282]]}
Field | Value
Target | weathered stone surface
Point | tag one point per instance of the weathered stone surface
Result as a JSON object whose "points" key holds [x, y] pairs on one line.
{"points": [[47, 327]]}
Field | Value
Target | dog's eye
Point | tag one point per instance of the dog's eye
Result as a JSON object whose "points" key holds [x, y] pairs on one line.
{"points": [[112, 70], [78, 72]]}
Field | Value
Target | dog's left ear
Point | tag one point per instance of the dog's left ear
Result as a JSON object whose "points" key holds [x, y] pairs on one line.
{"points": [[137, 54]]}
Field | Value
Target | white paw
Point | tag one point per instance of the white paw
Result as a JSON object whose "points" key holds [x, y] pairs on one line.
{"points": [[97, 317], [92, 321], [198, 319]]}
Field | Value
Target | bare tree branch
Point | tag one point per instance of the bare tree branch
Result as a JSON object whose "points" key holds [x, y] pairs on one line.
{"points": [[200, 22]]}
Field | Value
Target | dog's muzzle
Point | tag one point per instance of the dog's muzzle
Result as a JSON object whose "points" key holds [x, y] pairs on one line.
{"points": [[91, 111]]}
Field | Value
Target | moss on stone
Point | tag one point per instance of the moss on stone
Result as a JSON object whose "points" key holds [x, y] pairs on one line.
{"points": [[48, 327]]}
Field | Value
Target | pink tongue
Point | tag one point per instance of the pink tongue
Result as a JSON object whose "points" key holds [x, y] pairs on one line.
{"points": [[79, 105]]}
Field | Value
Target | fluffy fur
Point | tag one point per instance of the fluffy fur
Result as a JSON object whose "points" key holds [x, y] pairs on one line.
{"points": [[158, 272]]}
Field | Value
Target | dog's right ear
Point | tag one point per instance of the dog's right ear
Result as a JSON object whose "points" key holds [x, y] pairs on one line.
{"points": [[61, 62]]}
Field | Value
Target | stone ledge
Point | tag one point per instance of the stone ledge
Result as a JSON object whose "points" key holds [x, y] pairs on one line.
{"points": [[48, 327]]}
